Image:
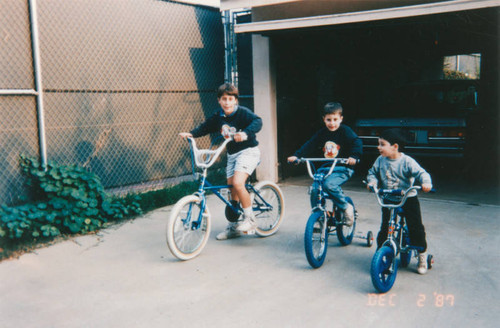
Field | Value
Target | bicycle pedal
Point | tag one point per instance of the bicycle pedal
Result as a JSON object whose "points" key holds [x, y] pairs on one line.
{"points": [[249, 232]]}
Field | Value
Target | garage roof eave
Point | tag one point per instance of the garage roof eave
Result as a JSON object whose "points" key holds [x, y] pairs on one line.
{"points": [[365, 16], [237, 4]]}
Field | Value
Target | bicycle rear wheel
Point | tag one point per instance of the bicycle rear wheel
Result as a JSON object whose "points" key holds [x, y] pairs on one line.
{"points": [[316, 239], [187, 231], [268, 218], [383, 269], [405, 258]]}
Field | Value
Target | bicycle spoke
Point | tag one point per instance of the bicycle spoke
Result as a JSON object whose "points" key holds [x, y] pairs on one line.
{"points": [[263, 211], [187, 234]]}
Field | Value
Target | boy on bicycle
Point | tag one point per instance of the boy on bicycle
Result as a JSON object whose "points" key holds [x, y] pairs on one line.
{"points": [[395, 170], [243, 153], [335, 139]]}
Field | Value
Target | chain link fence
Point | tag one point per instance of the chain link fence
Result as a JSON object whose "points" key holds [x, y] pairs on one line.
{"points": [[120, 80]]}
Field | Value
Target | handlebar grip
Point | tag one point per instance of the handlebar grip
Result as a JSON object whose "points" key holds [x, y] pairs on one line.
{"points": [[371, 187], [297, 161]]}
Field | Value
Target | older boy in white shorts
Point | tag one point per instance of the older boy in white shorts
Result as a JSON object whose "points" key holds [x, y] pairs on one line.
{"points": [[243, 154]]}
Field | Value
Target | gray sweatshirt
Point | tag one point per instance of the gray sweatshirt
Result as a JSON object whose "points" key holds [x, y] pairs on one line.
{"points": [[398, 173]]}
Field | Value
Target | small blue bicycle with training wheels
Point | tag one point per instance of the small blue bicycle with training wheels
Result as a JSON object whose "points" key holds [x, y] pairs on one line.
{"points": [[189, 224], [326, 218], [384, 265]]}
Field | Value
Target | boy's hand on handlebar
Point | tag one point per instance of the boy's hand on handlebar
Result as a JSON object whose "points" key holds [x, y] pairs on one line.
{"points": [[352, 161], [240, 136], [185, 135], [292, 159], [370, 186], [426, 187]]}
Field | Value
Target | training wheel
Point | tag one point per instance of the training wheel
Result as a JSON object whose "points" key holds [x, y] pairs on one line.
{"points": [[369, 239]]}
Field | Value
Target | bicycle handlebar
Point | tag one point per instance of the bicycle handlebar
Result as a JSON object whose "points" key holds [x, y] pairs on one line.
{"points": [[395, 192], [334, 161], [204, 158]]}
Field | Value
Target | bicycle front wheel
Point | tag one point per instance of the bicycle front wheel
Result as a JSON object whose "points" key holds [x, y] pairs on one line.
{"points": [[316, 239], [268, 206], [188, 229], [383, 269]]}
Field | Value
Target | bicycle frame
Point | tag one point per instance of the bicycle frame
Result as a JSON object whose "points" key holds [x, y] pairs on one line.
{"points": [[394, 233], [197, 158], [396, 217], [189, 225], [319, 177], [321, 222], [384, 264]]}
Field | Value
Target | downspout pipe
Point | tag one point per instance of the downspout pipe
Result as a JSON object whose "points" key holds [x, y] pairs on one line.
{"points": [[226, 21], [37, 70]]}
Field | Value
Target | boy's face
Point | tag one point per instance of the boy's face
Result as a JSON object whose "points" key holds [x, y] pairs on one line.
{"points": [[387, 150], [332, 121], [227, 103]]}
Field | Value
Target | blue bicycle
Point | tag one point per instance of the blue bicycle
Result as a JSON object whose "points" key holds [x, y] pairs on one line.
{"points": [[189, 224], [326, 218], [384, 266]]}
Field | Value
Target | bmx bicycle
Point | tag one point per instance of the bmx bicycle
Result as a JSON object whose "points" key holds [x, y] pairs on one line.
{"points": [[326, 218], [189, 224], [384, 265]]}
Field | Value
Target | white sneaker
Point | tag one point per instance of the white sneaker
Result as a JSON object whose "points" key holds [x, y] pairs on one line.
{"points": [[422, 263], [229, 233], [349, 215], [248, 225]]}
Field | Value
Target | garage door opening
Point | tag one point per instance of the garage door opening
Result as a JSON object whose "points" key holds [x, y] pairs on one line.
{"points": [[452, 58]]}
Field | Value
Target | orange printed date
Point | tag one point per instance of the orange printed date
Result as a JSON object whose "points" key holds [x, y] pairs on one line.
{"points": [[389, 300]]}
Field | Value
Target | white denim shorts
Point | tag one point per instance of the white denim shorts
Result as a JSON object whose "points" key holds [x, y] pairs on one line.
{"points": [[243, 161]]}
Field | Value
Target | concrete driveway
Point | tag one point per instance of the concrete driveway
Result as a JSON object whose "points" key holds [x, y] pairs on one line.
{"points": [[125, 276]]}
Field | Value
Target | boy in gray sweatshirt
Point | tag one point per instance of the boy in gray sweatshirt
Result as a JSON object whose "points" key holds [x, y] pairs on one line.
{"points": [[395, 170]]}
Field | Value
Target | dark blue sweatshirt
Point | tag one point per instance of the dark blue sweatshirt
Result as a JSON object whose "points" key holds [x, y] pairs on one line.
{"points": [[241, 119], [342, 143]]}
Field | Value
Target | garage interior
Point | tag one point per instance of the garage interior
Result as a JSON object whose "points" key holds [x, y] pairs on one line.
{"points": [[362, 64]]}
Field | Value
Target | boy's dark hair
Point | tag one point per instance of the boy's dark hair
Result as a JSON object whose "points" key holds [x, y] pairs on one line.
{"points": [[333, 107], [228, 89], [395, 136]]}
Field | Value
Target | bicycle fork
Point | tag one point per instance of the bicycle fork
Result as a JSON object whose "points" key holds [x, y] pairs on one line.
{"points": [[189, 221], [393, 233]]}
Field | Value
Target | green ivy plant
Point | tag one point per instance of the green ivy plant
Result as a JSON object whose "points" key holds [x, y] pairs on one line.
{"points": [[67, 200]]}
